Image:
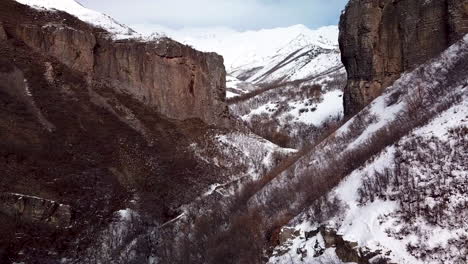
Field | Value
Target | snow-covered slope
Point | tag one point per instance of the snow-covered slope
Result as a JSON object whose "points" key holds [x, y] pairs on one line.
{"points": [[298, 112], [407, 203], [418, 214], [118, 31]]}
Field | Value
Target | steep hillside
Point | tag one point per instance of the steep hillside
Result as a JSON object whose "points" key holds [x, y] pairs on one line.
{"points": [[179, 82], [297, 191], [93, 126], [117, 148], [118, 31], [407, 204], [403, 161]]}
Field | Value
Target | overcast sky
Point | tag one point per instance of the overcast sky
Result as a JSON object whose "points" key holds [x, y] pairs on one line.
{"points": [[236, 14]]}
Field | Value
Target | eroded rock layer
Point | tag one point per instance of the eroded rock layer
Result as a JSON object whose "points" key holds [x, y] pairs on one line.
{"points": [[88, 124], [381, 39], [178, 81]]}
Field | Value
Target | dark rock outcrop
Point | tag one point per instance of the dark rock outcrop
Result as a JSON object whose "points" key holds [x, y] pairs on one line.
{"points": [[346, 251], [379, 40], [34, 209], [79, 111], [92, 123]]}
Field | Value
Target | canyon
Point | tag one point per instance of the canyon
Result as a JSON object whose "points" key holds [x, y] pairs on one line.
{"points": [[121, 148]]}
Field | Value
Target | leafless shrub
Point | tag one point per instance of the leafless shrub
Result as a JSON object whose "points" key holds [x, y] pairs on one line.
{"points": [[279, 205]]}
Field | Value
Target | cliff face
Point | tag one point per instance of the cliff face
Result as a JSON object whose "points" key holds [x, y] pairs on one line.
{"points": [[176, 80], [87, 123], [379, 40], [75, 102]]}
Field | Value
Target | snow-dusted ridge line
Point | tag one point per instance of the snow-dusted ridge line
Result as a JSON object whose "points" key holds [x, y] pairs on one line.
{"points": [[118, 30], [242, 51], [248, 49]]}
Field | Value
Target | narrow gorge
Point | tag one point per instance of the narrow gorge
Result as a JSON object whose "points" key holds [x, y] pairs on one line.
{"points": [[342, 144]]}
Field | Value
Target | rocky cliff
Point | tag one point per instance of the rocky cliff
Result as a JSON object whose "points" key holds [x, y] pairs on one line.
{"points": [[178, 81], [88, 123], [379, 40]]}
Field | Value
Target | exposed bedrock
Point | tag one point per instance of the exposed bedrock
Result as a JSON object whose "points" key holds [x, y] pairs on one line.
{"points": [[379, 40], [35, 209], [178, 81]]}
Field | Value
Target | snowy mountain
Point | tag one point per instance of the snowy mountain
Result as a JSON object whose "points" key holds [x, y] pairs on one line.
{"points": [[282, 82], [296, 57], [268, 55], [93, 173], [118, 30]]}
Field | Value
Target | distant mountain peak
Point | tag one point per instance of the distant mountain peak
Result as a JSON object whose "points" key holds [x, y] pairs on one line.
{"points": [[265, 49]]}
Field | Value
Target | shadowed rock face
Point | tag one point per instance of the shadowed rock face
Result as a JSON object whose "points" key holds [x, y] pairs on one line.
{"points": [[74, 102], [83, 122], [35, 209], [178, 81], [381, 39]]}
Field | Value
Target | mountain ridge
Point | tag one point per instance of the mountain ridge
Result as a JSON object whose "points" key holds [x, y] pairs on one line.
{"points": [[124, 150], [244, 51]]}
